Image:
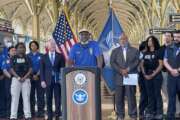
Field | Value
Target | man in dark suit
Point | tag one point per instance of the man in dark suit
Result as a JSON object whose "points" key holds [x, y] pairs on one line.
{"points": [[124, 60], [51, 63]]}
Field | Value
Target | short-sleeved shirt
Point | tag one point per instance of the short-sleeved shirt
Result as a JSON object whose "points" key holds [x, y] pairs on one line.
{"points": [[85, 55], [141, 54], [35, 61], [171, 54], [162, 53], [151, 61], [2, 58], [21, 65], [6, 64]]}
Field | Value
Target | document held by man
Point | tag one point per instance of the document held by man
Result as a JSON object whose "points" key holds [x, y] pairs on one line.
{"points": [[131, 79]]}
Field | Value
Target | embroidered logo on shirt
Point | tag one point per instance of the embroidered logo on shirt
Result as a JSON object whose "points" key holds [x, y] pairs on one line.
{"points": [[147, 57]]}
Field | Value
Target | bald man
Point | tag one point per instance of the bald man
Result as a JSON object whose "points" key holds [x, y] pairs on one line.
{"points": [[124, 60], [51, 63]]}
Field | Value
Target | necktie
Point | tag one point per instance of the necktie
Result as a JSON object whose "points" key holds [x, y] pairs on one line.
{"points": [[52, 58], [124, 53]]}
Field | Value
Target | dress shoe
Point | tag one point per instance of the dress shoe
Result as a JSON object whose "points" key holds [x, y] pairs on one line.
{"points": [[119, 118], [28, 119], [158, 117]]}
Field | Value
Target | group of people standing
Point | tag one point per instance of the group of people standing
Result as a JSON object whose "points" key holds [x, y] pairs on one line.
{"points": [[157, 67], [35, 77], [27, 77]]}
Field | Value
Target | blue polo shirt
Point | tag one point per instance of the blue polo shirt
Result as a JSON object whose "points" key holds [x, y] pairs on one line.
{"points": [[35, 61], [85, 55]]}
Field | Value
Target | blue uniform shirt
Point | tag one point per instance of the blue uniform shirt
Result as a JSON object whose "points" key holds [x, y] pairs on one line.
{"points": [[175, 51], [35, 61], [6, 63], [85, 55], [5, 51], [2, 58]]}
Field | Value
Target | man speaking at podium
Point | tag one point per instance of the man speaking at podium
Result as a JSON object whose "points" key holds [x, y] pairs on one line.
{"points": [[86, 53]]}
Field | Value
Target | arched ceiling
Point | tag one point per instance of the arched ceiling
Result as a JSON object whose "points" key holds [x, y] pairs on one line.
{"points": [[135, 16], [19, 9]]}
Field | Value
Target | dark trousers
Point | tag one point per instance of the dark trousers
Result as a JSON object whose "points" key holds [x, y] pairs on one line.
{"points": [[7, 97], [153, 88], [2, 99], [55, 89], [143, 102], [173, 88], [120, 93], [36, 89]]}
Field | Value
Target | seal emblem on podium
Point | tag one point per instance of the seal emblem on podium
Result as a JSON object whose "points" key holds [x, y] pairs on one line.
{"points": [[80, 79], [80, 97]]}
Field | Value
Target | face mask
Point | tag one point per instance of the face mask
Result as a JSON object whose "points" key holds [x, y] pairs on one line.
{"points": [[8, 44], [84, 43]]}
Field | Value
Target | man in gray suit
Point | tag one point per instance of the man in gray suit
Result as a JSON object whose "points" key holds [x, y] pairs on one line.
{"points": [[124, 60]]}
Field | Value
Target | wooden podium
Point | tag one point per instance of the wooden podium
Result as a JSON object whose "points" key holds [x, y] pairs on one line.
{"points": [[81, 99]]}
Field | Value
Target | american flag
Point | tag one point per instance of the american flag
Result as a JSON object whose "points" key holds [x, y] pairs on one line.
{"points": [[63, 35]]}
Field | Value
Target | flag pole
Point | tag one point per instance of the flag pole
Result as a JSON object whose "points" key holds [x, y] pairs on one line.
{"points": [[65, 9], [113, 115]]}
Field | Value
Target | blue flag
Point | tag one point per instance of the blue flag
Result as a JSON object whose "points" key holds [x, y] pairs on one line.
{"points": [[111, 32], [108, 40]]}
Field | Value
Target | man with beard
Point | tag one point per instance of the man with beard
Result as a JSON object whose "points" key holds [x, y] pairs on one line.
{"points": [[171, 62], [176, 35]]}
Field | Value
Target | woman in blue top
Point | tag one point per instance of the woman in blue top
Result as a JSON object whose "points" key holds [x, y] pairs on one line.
{"points": [[36, 89], [6, 70]]}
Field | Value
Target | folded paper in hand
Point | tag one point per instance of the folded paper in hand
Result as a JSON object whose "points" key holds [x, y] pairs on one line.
{"points": [[132, 79]]}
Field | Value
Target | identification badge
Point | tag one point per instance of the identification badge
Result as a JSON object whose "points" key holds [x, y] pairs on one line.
{"points": [[178, 51], [78, 52], [91, 51], [7, 61]]}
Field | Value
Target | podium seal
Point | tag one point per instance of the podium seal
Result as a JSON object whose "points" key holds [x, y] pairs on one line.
{"points": [[80, 97], [80, 79]]}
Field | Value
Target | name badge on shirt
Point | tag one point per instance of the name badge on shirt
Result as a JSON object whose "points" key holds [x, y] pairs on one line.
{"points": [[20, 60], [78, 52], [91, 51], [178, 51], [39, 57], [7, 61]]}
